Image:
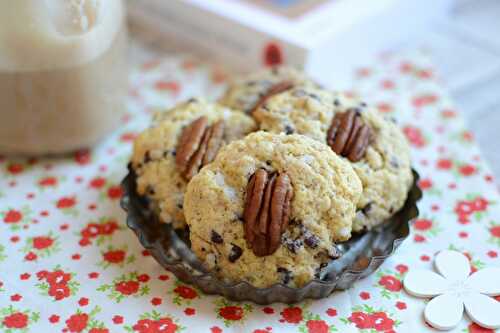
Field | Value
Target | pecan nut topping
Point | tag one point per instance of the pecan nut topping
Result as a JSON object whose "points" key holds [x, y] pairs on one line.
{"points": [[348, 136], [267, 211], [276, 89], [198, 145]]}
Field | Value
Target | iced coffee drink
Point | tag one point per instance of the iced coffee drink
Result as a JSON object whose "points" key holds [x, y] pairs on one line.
{"points": [[63, 73]]}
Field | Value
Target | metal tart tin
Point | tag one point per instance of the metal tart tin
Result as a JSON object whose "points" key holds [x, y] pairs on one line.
{"points": [[361, 255]]}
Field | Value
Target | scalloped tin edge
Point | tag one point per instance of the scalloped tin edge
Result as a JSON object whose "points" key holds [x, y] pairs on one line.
{"points": [[173, 254]]}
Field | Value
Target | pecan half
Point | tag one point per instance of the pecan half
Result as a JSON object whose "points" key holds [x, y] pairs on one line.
{"points": [[273, 90], [348, 136], [198, 145], [267, 211]]}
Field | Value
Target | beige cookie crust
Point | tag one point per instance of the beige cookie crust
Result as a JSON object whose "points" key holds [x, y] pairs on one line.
{"points": [[153, 158], [326, 190], [244, 93], [385, 171]]}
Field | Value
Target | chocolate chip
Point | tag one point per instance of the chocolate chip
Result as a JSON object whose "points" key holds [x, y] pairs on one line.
{"points": [[268, 162], [192, 100], [299, 93], [285, 275], [289, 130], [235, 253], [311, 241], [366, 209], [336, 102], [317, 271], [174, 152], [151, 190], [147, 157], [292, 244], [314, 96], [394, 162], [180, 205], [216, 237]]}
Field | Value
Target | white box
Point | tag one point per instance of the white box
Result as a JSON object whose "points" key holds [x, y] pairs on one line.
{"points": [[325, 37]]}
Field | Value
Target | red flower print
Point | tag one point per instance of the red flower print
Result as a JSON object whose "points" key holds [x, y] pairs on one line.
{"points": [[475, 328], [66, 202], [98, 330], [292, 315], [186, 292], [48, 181], [58, 277], [42, 242], [422, 224], [82, 157], [331, 312], [361, 320], [273, 55], [260, 331], [424, 100], [144, 326], [91, 230], [464, 208], [30, 256], [97, 182], [15, 168], [495, 231], [13, 216], [130, 136], [59, 291], [143, 278], [114, 257], [108, 228], [171, 86], [317, 326], [444, 164], [268, 310], [127, 287], [384, 107], [402, 268], [215, 329], [165, 325], [84, 241], [414, 136], [467, 170], [16, 320], [54, 319], [115, 192], [77, 322], [480, 204], [425, 184], [364, 295], [231, 312], [390, 283], [401, 305], [381, 322]]}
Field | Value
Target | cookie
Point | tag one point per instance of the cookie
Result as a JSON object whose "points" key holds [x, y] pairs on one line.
{"points": [[178, 144], [248, 92], [375, 146], [270, 209]]}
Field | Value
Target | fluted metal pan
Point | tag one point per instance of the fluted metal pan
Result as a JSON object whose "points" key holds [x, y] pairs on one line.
{"points": [[361, 255]]}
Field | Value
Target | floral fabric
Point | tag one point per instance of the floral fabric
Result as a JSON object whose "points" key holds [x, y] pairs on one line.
{"points": [[69, 264]]}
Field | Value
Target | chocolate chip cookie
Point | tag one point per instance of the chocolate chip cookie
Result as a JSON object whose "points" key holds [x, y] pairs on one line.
{"points": [[270, 209], [248, 93], [375, 146], [180, 142]]}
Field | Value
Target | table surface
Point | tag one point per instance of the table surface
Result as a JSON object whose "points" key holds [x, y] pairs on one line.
{"points": [[73, 266]]}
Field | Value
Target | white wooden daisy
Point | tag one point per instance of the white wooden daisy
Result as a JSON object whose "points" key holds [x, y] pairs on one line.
{"points": [[455, 288]]}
